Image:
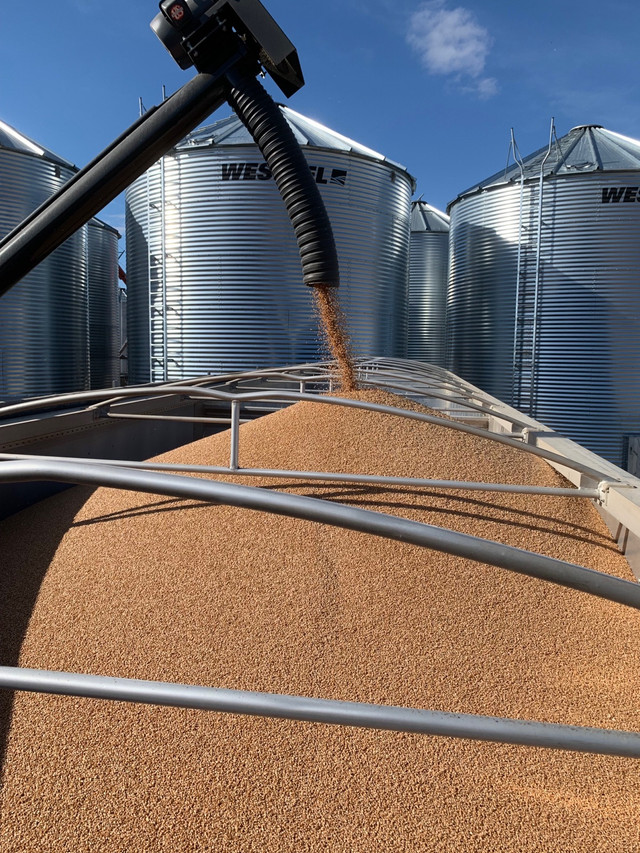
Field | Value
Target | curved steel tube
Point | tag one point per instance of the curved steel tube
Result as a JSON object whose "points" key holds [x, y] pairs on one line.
{"points": [[328, 711], [321, 476], [293, 396], [338, 515], [428, 391]]}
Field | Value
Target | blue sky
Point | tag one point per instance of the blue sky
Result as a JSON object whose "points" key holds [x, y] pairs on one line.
{"points": [[436, 86]]}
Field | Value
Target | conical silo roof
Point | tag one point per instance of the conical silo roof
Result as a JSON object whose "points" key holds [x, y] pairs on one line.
{"points": [[231, 131], [586, 148], [13, 140], [425, 217]]}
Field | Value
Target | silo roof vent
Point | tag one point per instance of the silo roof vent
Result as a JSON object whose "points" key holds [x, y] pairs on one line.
{"points": [[586, 148], [586, 126]]}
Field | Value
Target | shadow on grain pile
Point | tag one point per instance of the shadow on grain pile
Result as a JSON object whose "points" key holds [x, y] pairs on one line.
{"points": [[214, 595], [40, 533]]}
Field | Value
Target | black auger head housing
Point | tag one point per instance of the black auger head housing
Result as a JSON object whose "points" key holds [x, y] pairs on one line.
{"points": [[234, 40], [229, 42], [203, 32]]}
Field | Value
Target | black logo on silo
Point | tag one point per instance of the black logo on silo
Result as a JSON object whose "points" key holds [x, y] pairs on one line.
{"points": [[245, 172], [323, 176], [262, 172], [618, 195]]}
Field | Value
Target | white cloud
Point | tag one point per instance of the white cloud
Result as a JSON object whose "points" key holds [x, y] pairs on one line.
{"points": [[452, 42], [483, 87]]}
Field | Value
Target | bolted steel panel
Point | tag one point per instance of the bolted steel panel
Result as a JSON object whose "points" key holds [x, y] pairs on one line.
{"points": [[43, 319], [544, 304], [104, 309], [428, 271], [214, 274], [483, 240]]}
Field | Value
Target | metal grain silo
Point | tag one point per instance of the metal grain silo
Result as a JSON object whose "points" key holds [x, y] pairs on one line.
{"points": [[122, 337], [428, 270], [43, 319], [544, 293], [213, 271], [104, 308]]}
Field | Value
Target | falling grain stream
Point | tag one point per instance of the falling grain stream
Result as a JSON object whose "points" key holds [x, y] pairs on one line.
{"points": [[334, 330]]}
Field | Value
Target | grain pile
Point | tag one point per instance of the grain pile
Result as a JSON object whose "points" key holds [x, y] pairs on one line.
{"points": [[147, 587]]}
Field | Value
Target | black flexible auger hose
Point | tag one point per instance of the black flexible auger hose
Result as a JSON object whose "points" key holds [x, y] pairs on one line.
{"points": [[273, 136]]}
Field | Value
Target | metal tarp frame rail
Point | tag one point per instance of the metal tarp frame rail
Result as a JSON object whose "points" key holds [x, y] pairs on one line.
{"points": [[328, 476], [328, 711], [293, 397], [339, 515]]}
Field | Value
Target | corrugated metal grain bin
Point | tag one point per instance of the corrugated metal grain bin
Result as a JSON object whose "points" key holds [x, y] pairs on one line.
{"points": [[213, 270], [428, 271], [122, 336], [43, 319], [544, 292], [104, 308]]}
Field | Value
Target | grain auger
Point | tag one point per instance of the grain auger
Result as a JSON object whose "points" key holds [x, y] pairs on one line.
{"points": [[230, 43]]}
